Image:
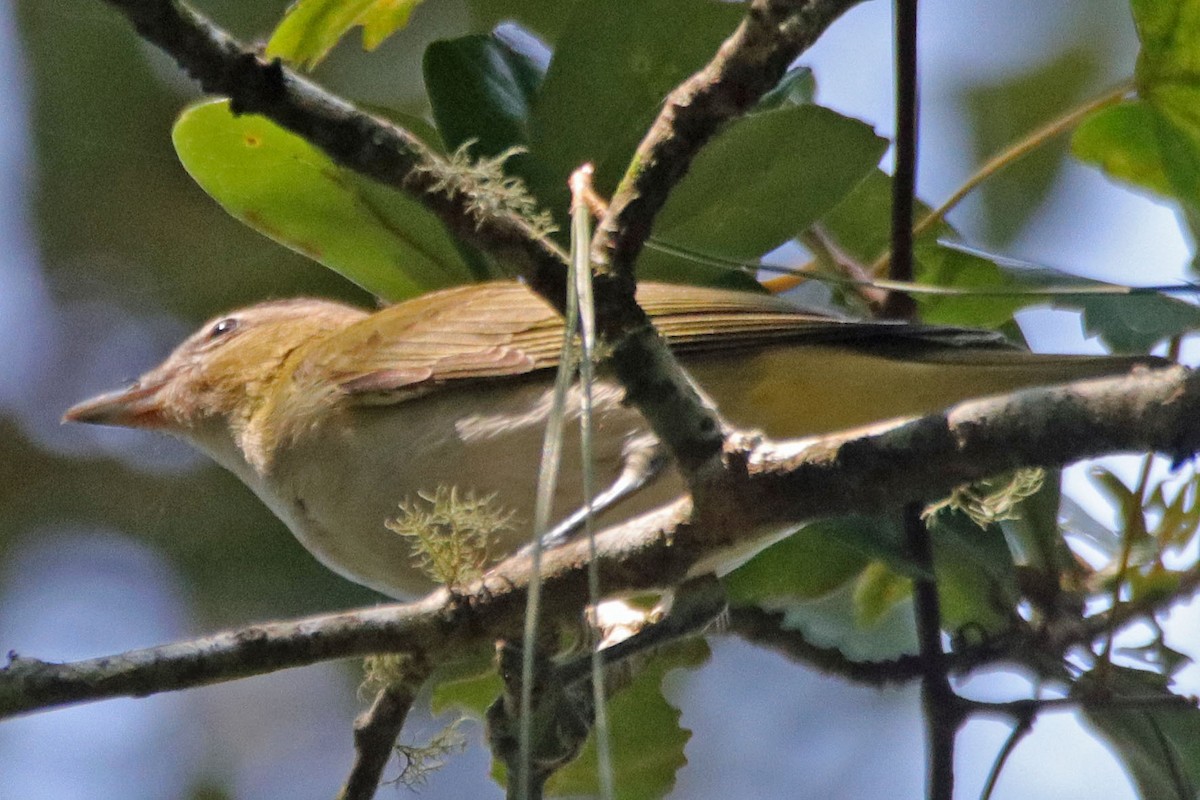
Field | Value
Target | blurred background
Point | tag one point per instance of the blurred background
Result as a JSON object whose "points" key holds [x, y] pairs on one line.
{"points": [[111, 540]]}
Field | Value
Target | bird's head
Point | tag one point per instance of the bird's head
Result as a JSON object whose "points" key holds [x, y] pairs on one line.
{"points": [[221, 373]]}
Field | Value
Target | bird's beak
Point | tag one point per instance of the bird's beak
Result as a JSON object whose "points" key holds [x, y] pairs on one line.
{"points": [[139, 406]]}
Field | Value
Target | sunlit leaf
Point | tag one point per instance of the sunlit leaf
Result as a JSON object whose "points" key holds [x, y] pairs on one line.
{"points": [[285, 188], [1154, 141], [1122, 141], [311, 28], [647, 739]]}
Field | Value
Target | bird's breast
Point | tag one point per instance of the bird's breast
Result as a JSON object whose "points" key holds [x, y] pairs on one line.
{"points": [[339, 483]]}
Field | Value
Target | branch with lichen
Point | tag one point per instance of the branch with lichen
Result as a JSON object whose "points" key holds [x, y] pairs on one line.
{"points": [[775, 484]]}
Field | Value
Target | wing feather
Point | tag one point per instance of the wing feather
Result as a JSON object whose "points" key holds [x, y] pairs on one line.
{"points": [[504, 329]]}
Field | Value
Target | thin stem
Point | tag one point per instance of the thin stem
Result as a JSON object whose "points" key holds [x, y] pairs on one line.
{"points": [[1132, 528], [942, 707], [581, 269], [546, 486], [1011, 154]]}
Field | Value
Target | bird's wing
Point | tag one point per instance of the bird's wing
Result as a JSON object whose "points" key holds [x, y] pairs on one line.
{"points": [[505, 329]]}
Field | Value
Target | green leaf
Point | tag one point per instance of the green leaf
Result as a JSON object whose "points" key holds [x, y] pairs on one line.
{"points": [[1127, 500], [469, 685], [952, 268], [1180, 517], [760, 181], [1123, 141], [1160, 746], [481, 89], [835, 620], [808, 564], [818, 559], [877, 591], [1127, 322], [310, 28], [290, 191], [612, 67], [1134, 323], [977, 581], [861, 225], [647, 740], [1154, 141]]}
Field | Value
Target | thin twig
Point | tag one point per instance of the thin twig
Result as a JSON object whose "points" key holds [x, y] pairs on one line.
{"points": [[1020, 730], [904, 180]]}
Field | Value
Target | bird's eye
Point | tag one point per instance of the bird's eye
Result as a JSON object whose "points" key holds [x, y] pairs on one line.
{"points": [[227, 325]]}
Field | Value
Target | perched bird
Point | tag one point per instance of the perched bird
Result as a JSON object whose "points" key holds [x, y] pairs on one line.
{"points": [[335, 416]]}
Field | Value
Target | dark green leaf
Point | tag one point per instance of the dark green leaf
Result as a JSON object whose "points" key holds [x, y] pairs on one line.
{"points": [[1134, 323], [285, 188], [1160, 746], [742, 196], [481, 89], [977, 580], [612, 67]]}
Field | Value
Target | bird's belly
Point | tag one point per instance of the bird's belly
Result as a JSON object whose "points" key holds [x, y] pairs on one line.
{"points": [[347, 479]]}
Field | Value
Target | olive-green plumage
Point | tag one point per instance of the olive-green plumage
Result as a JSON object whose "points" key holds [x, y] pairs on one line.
{"points": [[334, 415]]}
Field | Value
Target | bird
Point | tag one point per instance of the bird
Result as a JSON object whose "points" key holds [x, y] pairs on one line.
{"points": [[339, 417]]}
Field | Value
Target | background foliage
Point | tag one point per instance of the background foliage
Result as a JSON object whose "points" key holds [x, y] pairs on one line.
{"points": [[132, 253]]}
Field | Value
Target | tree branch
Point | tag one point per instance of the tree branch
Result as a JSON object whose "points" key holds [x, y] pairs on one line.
{"points": [[770, 487]]}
